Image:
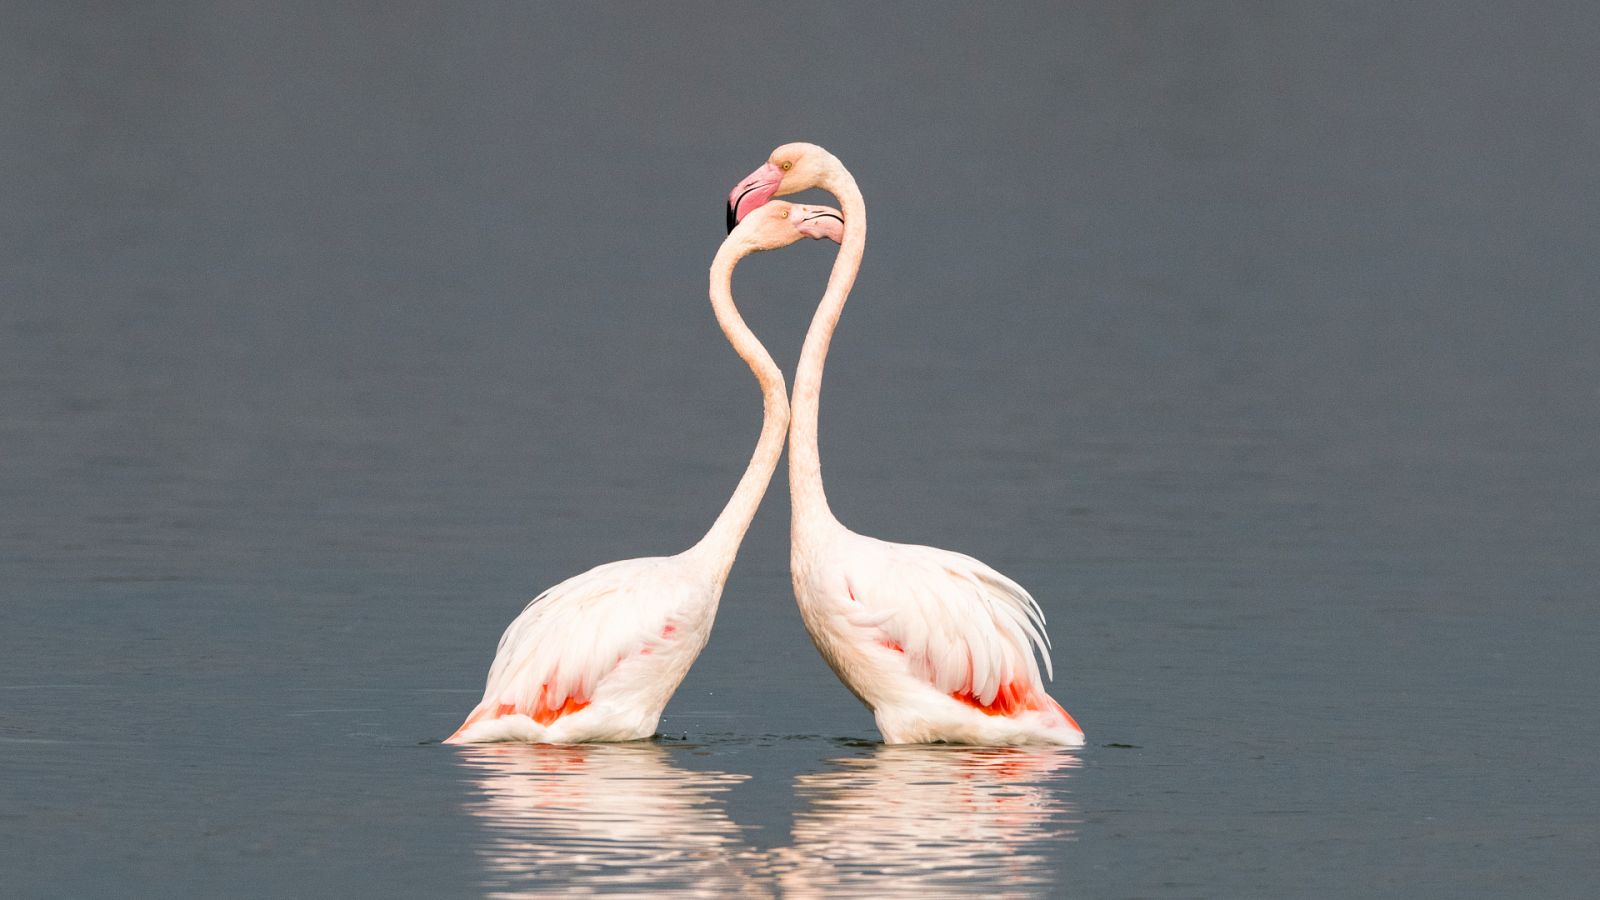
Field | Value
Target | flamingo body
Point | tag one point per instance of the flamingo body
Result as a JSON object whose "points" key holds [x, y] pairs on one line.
{"points": [[597, 657], [937, 644]]}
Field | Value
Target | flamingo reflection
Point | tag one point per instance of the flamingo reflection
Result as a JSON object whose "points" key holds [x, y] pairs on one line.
{"points": [[921, 819], [603, 818]]}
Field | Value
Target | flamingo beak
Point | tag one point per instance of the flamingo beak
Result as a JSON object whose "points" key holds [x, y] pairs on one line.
{"points": [[818, 222], [752, 192]]}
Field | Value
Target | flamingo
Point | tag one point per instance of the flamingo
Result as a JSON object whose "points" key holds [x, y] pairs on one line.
{"points": [[937, 644], [596, 657]]}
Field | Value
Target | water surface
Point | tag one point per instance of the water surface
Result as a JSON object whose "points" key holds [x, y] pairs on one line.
{"points": [[1259, 344]]}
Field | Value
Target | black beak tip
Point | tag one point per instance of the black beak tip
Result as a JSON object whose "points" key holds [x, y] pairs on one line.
{"points": [[731, 220]]}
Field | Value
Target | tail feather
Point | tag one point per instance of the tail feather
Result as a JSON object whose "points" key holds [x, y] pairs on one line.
{"points": [[1064, 714], [472, 719], [543, 712]]}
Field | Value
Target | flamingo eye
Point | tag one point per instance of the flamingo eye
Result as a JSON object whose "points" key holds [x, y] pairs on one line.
{"points": [[786, 166]]}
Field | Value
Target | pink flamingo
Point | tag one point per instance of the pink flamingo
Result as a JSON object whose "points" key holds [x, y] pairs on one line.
{"points": [[596, 657], [937, 644]]}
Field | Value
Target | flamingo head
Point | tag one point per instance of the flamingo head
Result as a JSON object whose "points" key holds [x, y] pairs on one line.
{"points": [[818, 222], [790, 169], [779, 224]]}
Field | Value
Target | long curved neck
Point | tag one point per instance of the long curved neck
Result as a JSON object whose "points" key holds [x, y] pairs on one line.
{"points": [[809, 502], [721, 543]]}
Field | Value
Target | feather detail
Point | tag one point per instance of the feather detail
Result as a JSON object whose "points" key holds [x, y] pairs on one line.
{"points": [[556, 656], [966, 629]]}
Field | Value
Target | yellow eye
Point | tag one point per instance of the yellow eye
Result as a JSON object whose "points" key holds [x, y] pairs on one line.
{"points": [[784, 214], [787, 166]]}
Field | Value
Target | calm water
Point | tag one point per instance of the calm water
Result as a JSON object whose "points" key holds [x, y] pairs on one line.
{"points": [[1259, 342]]}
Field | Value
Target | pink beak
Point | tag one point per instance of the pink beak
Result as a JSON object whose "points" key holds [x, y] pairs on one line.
{"points": [[818, 222], [752, 192]]}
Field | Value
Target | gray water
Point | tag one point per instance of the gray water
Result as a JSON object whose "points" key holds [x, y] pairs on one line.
{"points": [[1258, 341]]}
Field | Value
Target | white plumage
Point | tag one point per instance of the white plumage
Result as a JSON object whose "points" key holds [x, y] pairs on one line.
{"points": [[596, 657], [938, 645]]}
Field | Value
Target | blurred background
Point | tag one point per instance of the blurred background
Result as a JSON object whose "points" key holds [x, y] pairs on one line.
{"points": [[1258, 341]]}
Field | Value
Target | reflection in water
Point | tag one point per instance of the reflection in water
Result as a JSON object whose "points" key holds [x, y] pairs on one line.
{"points": [[902, 820], [598, 818], [928, 819]]}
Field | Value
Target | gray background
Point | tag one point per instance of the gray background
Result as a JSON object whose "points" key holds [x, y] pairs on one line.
{"points": [[1258, 340]]}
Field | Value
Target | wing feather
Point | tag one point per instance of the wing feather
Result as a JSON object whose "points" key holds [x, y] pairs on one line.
{"points": [[554, 655], [967, 628]]}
